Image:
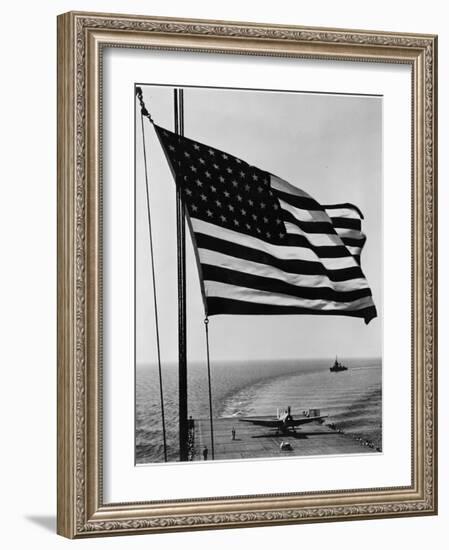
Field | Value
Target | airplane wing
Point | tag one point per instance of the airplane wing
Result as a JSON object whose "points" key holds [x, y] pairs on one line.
{"points": [[272, 422], [267, 422], [306, 420]]}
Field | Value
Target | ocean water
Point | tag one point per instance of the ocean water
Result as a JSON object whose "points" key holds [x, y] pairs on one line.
{"points": [[352, 399]]}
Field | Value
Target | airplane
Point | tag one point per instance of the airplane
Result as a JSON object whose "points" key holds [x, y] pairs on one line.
{"points": [[284, 421]]}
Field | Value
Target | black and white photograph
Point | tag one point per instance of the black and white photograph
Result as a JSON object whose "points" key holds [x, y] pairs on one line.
{"points": [[247, 275], [258, 274], [258, 271]]}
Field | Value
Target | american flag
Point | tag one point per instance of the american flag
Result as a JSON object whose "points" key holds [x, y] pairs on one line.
{"points": [[264, 246]]}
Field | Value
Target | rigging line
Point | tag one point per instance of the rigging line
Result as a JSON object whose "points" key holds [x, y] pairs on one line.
{"points": [[206, 324], [156, 316], [143, 109]]}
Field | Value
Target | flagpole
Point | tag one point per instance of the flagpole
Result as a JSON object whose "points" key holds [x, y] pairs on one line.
{"points": [[182, 332]]}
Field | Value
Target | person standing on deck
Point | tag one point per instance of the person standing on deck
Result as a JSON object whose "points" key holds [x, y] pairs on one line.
{"points": [[205, 453]]}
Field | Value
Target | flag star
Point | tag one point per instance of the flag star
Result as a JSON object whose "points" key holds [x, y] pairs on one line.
{"points": [[258, 230], [224, 156], [202, 160], [207, 174], [203, 197], [215, 166], [270, 192], [242, 174], [188, 191], [226, 194], [196, 146], [187, 154], [211, 153], [268, 234], [218, 203], [262, 205], [247, 187], [281, 235], [275, 206], [255, 177], [193, 168], [231, 208], [171, 147], [260, 189], [250, 202], [199, 182], [213, 188], [234, 183], [239, 198], [209, 213], [247, 226], [254, 217], [265, 219], [236, 222], [278, 221], [238, 161], [221, 178], [223, 218], [194, 207], [229, 170], [243, 211], [165, 133]]}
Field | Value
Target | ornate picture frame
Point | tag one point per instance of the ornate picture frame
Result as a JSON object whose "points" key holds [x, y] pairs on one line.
{"points": [[82, 40]]}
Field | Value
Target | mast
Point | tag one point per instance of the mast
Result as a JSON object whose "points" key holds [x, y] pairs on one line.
{"points": [[182, 332]]}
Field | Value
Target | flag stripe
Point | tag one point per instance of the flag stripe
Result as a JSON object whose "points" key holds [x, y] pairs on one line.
{"points": [[350, 241], [298, 239], [281, 185], [217, 305], [278, 251], [315, 240], [354, 250], [306, 215], [347, 223], [225, 290], [270, 284], [289, 265], [341, 212], [350, 233], [351, 209], [302, 202], [319, 223], [346, 231], [288, 213], [244, 265]]}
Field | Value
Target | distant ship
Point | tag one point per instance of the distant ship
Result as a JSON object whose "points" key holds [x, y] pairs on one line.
{"points": [[337, 366]]}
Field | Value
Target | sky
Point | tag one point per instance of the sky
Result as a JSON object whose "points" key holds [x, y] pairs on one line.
{"points": [[328, 145]]}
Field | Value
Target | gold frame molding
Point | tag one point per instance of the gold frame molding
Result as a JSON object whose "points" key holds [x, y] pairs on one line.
{"points": [[81, 37]]}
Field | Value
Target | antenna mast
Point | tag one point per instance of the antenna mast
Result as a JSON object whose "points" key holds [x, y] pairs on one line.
{"points": [[182, 331]]}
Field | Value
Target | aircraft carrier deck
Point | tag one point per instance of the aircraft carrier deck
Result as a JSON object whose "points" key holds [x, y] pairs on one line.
{"points": [[253, 441]]}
